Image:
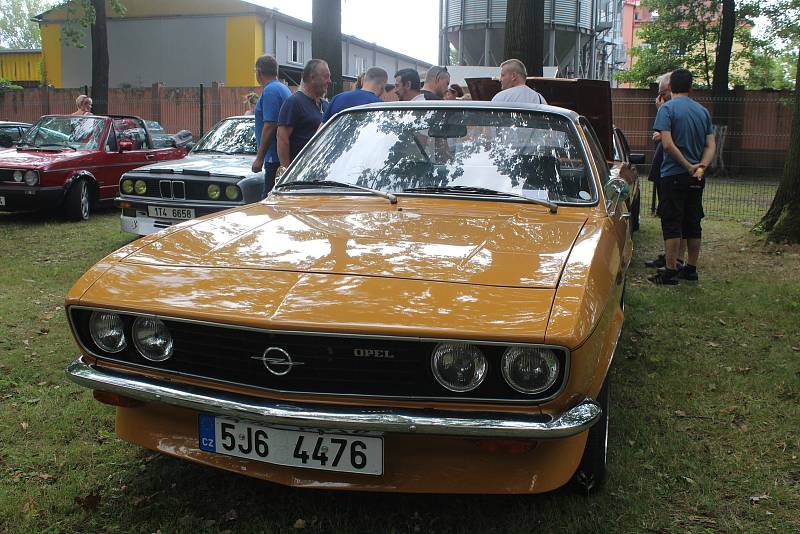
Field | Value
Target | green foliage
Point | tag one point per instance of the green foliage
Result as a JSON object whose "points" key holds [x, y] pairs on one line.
{"points": [[684, 35], [81, 15], [6, 85], [770, 69], [17, 30]]}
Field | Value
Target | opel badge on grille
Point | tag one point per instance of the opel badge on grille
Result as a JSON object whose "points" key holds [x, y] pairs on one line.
{"points": [[277, 361]]}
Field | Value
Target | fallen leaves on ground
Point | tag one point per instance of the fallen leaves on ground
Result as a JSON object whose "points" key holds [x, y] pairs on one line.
{"points": [[89, 502]]}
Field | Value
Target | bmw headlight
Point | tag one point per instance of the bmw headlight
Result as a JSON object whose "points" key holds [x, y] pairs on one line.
{"points": [[31, 178], [152, 338], [18, 175], [232, 192], [107, 331], [458, 367], [127, 186], [529, 369], [214, 191], [140, 187]]}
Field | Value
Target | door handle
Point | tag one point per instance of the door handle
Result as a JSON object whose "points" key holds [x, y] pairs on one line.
{"points": [[150, 156]]}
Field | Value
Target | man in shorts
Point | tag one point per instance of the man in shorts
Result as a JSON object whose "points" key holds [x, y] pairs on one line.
{"points": [[687, 136]]}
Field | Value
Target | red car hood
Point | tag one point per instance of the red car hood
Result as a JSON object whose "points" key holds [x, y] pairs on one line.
{"points": [[36, 159]]}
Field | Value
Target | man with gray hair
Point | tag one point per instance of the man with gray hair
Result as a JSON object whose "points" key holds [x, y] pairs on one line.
{"points": [[301, 113], [437, 80], [513, 82], [372, 85]]}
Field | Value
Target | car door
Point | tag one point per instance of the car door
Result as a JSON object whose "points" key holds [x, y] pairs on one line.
{"points": [[123, 130]]}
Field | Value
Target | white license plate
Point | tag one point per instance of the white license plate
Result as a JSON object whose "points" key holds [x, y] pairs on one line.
{"points": [[2, 201], [334, 451], [170, 213]]}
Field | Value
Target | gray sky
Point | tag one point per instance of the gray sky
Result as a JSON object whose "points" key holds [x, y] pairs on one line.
{"points": [[407, 26]]}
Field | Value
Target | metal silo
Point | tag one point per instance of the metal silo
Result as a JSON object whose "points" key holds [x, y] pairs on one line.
{"points": [[576, 31]]}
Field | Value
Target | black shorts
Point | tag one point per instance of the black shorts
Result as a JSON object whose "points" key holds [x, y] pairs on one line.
{"points": [[681, 206], [270, 170]]}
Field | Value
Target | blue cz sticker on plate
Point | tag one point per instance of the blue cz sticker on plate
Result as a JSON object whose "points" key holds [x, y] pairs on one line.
{"points": [[207, 433]]}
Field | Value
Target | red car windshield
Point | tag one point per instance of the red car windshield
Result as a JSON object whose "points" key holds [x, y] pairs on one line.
{"points": [[79, 133]]}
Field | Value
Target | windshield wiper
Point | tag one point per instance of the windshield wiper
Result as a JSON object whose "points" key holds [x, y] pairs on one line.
{"points": [[214, 150], [304, 184], [481, 191]]}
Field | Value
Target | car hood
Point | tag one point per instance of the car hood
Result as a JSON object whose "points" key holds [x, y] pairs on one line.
{"points": [[32, 159], [504, 244], [233, 166]]}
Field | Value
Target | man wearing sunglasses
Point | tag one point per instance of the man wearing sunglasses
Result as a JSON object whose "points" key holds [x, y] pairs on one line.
{"points": [[436, 83]]}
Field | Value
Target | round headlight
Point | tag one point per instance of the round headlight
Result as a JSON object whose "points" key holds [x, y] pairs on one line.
{"points": [[232, 192], [107, 331], [127, 186], [458, 367], [140, 187], [18, 176], [152, 339], [214, 192], [31, 178], [530, 370]]}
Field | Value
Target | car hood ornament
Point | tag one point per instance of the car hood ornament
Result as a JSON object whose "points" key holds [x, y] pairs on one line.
{"points": [[277, 361]]}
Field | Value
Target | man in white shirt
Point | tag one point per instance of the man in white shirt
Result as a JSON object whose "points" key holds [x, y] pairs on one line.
{"points": [[513, 77]]}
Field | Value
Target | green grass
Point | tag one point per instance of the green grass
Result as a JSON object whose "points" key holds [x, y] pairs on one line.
{"points": [[704, 415]]}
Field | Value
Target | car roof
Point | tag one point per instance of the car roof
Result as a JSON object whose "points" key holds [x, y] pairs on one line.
{"points": [[468, 104]]}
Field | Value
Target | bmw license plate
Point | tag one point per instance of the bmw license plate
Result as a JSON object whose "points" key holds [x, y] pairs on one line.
{"points": [[170, 213], [2, 201], [334, 451]]}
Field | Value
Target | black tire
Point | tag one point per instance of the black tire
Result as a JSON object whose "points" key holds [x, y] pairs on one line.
{"points": [[592, 470], [78, 203]]}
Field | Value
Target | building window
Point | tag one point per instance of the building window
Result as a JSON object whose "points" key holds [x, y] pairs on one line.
{"points": [[361, 65], [295, 49]]}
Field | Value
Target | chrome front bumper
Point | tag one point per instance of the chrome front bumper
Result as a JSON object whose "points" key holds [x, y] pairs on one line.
{"points": [[376, 419]]}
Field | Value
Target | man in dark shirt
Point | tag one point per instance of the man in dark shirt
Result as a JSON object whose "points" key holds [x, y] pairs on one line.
{"points": [[688, 139], [372, 84], [437, 80], [301, 113]]}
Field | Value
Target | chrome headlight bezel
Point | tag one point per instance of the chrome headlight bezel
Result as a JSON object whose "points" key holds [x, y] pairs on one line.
{"points": [[31, 178], [480, 372], [550, 360], [98, 340], [166, 348], [19, 175]]}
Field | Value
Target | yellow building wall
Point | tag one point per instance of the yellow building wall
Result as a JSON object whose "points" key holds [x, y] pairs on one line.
{"points": [[21, 66], [244, 43], [51, 51]]}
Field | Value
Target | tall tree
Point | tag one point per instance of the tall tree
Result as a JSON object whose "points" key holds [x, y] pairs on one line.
{"points": [[326, 38], [782, 220], [17, 30], [82, 14], [722, 62], [524, 38]]}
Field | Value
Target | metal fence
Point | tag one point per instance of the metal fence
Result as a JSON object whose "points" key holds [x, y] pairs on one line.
{"points": [[752, 130]]}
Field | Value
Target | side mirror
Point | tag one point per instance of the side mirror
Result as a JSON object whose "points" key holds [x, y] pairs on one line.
{"points": [[617, 190], [637, 159], [125, 145]]}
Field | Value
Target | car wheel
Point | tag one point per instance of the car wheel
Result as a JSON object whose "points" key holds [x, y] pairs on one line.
{"points": [[592, 469], [79, 201]]}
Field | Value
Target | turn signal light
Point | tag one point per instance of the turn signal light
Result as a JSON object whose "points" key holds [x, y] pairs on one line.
{"points": [[116, 400]]}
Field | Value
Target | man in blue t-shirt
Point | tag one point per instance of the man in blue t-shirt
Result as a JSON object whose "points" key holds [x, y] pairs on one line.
{"points": [[372, 85], [687, 136], [302, 112], [266, 116]]}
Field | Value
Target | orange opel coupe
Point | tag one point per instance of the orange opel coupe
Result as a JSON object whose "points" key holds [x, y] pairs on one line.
{"points": [[428, 301]]}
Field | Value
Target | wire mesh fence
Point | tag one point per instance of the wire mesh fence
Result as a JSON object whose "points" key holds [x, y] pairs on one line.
{"points": [[752, 129]]}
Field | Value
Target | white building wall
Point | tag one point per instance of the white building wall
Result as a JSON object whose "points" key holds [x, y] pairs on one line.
{"points": [[179, 52]]}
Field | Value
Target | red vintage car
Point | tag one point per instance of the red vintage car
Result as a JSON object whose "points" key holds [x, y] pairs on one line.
{"points": [[74, 162]]}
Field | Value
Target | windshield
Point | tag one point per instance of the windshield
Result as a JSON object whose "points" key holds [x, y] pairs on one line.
{"points": [[452, 151], [67, 132], [231, 136]]}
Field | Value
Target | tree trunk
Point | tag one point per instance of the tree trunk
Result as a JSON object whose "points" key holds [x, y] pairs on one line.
{"points": [[525, 34], [724, 48], [99, 59], [782, 220], [326, 39]]}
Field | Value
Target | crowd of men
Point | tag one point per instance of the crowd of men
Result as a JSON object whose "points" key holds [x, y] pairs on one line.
{"points": [[285, 122]]}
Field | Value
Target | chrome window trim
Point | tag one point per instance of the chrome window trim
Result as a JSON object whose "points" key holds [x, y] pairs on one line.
{"points": [[529, 402]]}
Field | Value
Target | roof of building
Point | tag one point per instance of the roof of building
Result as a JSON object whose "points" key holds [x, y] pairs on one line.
{"points": [[180, 8]]}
